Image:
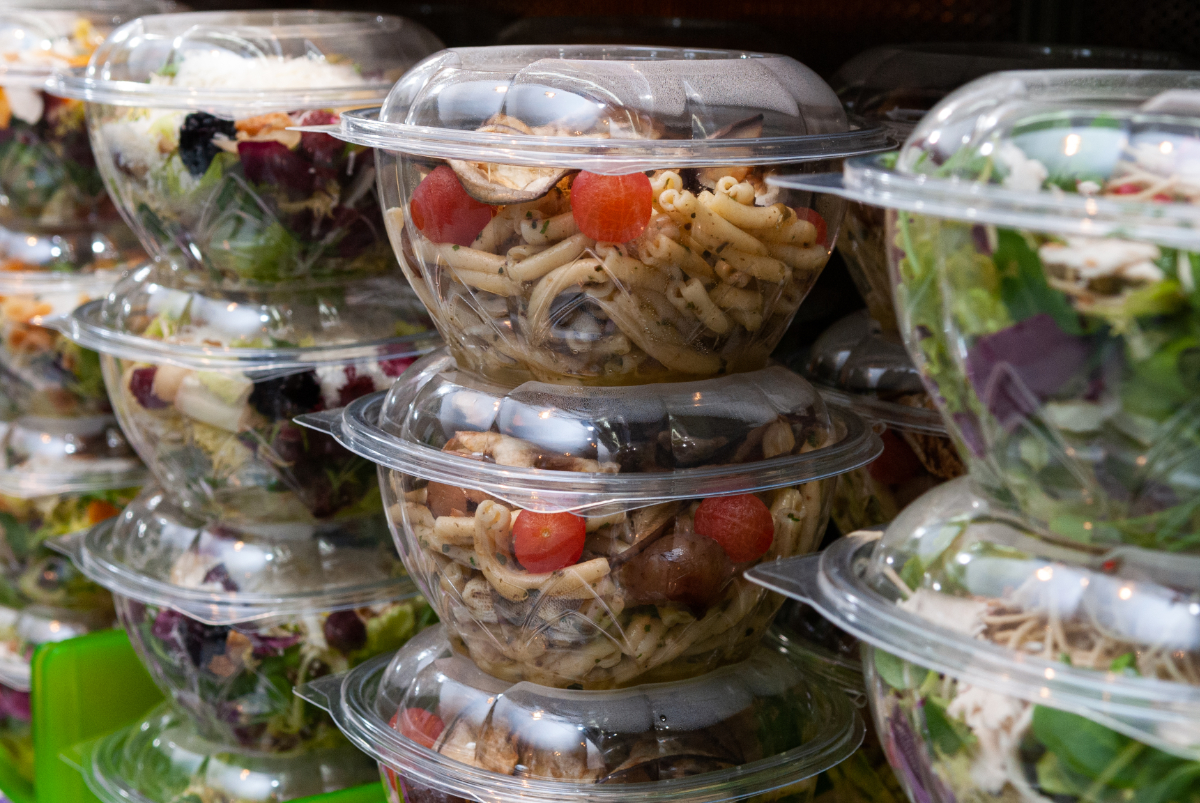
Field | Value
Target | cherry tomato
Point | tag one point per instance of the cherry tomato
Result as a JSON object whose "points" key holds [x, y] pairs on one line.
{"points": [[897, 463], [443, 210], [612, 209], [741, 524], [1125, 189], [547, 542], [814, 217], [422, 726]]}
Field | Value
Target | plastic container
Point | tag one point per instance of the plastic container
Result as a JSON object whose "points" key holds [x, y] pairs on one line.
{"points": [[442, 730], [164, 758], [895, 85], [228, 618], [190, 117], [55, 214], [1046, 298], [626, 235], [855, 363], [1002, 667], [595, 537], [41, 373], [206, 384]]}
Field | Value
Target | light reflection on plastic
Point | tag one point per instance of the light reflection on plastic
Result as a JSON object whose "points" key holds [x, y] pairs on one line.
{"points": [[1125, 593], [1049, 673], [1045, 574], [1166, 146], [1071, 144]]}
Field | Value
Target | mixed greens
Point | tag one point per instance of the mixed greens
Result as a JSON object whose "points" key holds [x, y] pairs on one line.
{"points": [[236, 680]]}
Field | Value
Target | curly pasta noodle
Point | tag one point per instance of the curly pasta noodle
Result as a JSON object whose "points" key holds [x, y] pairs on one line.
{"points": [[712, 271]]}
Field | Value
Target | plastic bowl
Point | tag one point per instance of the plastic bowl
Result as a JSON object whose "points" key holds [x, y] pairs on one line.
{"points": [[56, 214], [228, 619], [441, 730], [206, 385], [190, 117], [600, 214], [1003, 667], [596, 538], [857, 364], [42, 373]]}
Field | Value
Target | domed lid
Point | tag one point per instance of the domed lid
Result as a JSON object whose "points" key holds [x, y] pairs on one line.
{"points": [[1072, 152], [898, 84], [269, 331], [45, 456], [38, 37], [855, 363], [251, 62], [611, 109], [743, 730], [961, 588], [603, 449], [163, 758], [40, 624], [223, 574]]}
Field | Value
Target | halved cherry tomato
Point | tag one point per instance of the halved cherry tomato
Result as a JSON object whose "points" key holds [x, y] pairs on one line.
{"points": [[814, 217], [423, 727], [741, 524], [443, 210], [897, 463], [547, 542], [612, 209], [1125, 189]]}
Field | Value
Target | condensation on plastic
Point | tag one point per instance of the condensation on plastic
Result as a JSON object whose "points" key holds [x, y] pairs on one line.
{"points": [[40, 624], [288, 569], [163, 754], [619, 109], [43, 456], [847, 583], [853, 363], [123, 69], [987, 113], [35, 35], [778, 690], [352, 322], [396, 432]]}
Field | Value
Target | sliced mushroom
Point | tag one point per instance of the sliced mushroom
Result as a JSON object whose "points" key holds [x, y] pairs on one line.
{"points": [[652, 760], [750, 128], [497, 184]]}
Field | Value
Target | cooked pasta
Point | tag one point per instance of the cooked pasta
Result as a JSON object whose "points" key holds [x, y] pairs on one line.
{"points": [[707, 287]]}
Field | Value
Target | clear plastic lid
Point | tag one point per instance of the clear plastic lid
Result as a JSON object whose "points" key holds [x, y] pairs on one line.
{"points": [[40, 624], [962, 589], [251, 62], [603, 450], [854, 362], [222, 574], [610, 110], [1073, 152], [898, 84], [164, 758], [146, 317], [44, 456], [744, 730], [38, 37]]}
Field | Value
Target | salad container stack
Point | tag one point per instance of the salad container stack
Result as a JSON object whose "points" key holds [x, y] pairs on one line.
{"points": [[64, 463], [1031, 629], [259, 558], [577, 483]]}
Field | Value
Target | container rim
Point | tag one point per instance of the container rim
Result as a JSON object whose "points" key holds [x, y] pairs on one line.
{"points": [[595, 154], [84, 327], [899, 416]]}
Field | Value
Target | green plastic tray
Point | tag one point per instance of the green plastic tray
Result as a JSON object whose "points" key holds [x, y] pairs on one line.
{"points": [[98, 685]]}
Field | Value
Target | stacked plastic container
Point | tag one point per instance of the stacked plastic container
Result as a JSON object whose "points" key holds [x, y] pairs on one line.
{"points": [[578, 483], [260, 559], [1032, 627], [64, 463]]}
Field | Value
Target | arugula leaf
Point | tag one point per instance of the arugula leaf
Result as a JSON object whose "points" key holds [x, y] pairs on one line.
{"points": [[1023, 284], [895, 671]]}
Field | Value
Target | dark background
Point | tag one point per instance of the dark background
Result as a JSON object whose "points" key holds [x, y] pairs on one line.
{"points": [[822, 34]]}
